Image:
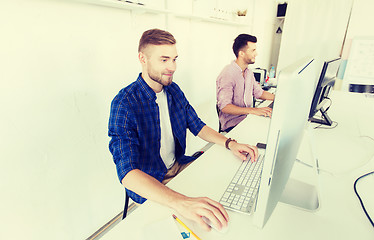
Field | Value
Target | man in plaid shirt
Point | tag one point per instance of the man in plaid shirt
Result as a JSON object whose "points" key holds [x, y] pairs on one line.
{"points": [[147, 126]]}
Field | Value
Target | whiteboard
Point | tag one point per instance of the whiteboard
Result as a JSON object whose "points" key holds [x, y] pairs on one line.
{"points": [[360, 65]]}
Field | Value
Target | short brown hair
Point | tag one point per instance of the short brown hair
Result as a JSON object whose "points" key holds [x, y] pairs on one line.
{"points": [[241, 42], [155, 37]]}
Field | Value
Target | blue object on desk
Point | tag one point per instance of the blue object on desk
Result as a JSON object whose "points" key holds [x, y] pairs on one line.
{"points": [[185, 235]]}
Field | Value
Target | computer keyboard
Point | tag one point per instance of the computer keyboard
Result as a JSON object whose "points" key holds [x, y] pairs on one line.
{"points": [[241, 194]]}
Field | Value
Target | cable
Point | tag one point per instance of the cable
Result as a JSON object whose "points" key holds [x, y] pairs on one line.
{"points": [[324, 111], [359, 198], [318, 168], [329, 105], [331, 127], [365, 136]]}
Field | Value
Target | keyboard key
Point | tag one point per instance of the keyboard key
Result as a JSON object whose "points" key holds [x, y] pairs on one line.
{"points": [[237, 207], [224, 203]]}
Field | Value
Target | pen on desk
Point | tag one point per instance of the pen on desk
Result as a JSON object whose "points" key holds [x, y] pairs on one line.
{"points": [[184, 225]]}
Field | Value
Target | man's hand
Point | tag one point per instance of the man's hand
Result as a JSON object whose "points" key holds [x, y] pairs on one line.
{"points": [[263, 111], [195, 208], [241, 151], [190, 208]]}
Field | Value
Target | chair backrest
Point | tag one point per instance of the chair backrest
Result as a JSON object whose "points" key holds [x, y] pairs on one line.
{"points": [[125, 208], [219, 122]]}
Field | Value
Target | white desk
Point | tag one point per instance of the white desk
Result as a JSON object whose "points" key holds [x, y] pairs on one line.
{"points": [[339, 216]]}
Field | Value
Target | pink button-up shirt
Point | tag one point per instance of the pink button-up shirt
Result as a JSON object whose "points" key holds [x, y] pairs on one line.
{"points": [[234, 88]]}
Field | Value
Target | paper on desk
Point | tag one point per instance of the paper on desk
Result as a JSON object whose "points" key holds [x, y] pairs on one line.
{"points": [[165, 229], [365, 118]]}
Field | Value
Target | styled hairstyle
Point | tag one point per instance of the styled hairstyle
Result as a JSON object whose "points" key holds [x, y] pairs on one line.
{"points": [[241, 41], [155, 37]]}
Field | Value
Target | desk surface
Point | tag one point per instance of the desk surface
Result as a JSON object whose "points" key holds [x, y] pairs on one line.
{"points": [[339, 216]]}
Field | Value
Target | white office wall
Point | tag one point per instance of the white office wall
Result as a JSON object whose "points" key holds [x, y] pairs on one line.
{"points": [[313, 28], [264, 27], [361, 20], [62, 62]]}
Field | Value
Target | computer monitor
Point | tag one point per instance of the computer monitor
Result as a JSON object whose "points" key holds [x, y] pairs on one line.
{"points": [[289, 117], [260, 75], [325, 82]]}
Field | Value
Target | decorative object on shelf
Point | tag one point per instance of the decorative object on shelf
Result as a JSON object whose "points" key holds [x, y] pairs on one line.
{"points": [[241, 13], [280, 25], [282, 8], [222, 14], [133, 2]]}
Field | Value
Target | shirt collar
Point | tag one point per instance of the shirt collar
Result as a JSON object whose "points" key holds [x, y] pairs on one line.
{"points": [[148, 91], [238, 67]]}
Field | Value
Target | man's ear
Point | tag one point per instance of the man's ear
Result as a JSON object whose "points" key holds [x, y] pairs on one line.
{"points": [[142, 58]]}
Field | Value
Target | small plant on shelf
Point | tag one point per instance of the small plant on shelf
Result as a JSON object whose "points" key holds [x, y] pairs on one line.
{"points": [[241, 13]]}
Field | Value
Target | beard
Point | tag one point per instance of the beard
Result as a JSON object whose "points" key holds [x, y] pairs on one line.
{"points": [[160, 77], [250, 61]]}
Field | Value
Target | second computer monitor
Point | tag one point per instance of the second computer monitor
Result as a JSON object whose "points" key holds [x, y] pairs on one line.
{"points": [[324, 85], [260, 75]]}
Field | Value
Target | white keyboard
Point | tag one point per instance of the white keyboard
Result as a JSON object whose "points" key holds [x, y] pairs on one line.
{"points": [[241, 194]]}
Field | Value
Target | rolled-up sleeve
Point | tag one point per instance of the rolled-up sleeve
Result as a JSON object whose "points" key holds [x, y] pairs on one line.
{"points": [[225, 90], [194, 122]]}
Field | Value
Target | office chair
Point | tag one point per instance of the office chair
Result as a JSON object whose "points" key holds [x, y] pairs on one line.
{"points": [[128, 208], [219, 122], [126, 205]]}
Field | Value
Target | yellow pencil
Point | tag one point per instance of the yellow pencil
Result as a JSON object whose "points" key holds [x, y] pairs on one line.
{"points": [[184, 225]]}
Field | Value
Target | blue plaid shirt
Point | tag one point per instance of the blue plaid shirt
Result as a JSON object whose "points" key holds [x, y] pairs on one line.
{"points": [[134, 128]]}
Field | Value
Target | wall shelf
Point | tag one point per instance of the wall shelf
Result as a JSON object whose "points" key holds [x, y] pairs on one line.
{"points": [[210, 19], [122, 4], [136, 8]]}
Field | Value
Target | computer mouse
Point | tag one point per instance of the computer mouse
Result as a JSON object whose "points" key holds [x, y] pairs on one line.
{"points": [[223, 229]]}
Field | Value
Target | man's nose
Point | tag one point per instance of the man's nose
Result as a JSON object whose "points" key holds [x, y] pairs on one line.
{"points": [[171, 67]]}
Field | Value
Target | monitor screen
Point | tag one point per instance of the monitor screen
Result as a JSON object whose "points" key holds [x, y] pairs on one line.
{"points": [[290, 114], [325, 83], [260, 75], [257, 76]]}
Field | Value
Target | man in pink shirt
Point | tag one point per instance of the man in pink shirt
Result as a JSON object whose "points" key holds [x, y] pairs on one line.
{"points": [[236, 86]]}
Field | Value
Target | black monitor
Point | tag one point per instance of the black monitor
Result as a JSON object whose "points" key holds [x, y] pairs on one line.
{"points": [[260, 75], [325, 82]]}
